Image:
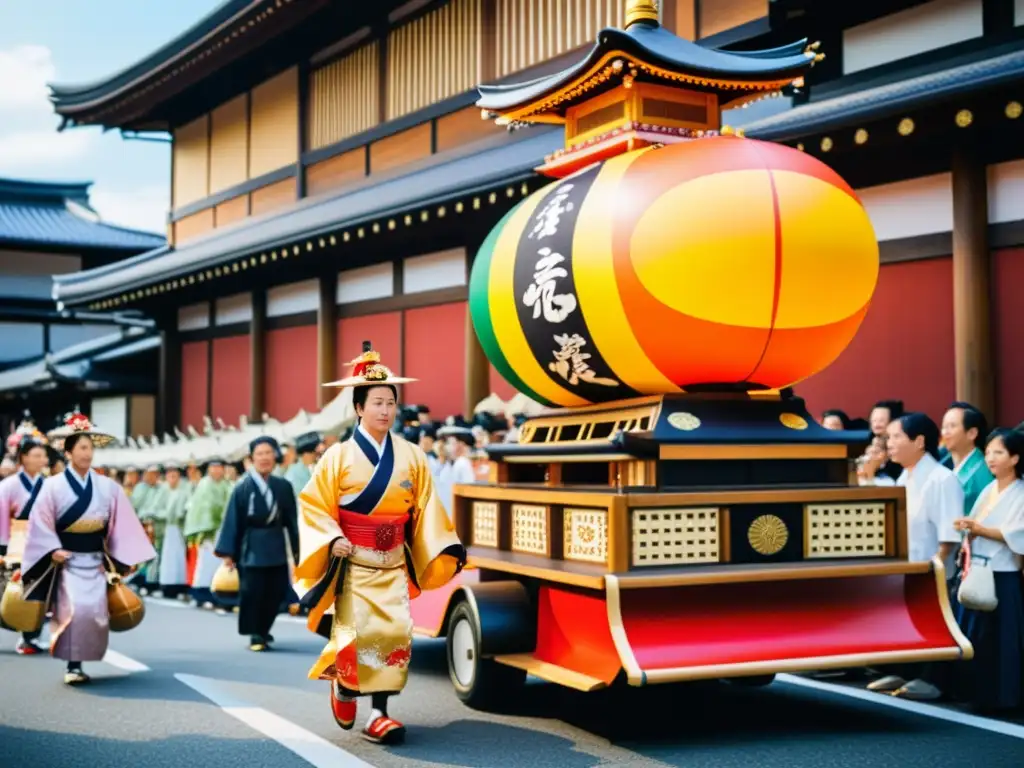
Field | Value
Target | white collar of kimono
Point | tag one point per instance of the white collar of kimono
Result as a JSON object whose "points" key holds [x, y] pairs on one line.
{"points": [[258, 479], [373, 440], [82, 479], [922, 469], [966, 458]]}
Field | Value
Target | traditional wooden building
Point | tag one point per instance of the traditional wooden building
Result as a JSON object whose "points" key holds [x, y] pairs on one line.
{"points": [[918, 105], [49, 359], [332, 181]]}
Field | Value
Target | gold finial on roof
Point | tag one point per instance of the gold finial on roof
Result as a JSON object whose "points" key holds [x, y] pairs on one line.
{"points": [[641, 10]]}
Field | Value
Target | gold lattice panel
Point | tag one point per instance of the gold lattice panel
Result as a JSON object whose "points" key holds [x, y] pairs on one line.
{"points": [[530, 529], [485, 524], [845, 530], [586, 535], [675, 536]]}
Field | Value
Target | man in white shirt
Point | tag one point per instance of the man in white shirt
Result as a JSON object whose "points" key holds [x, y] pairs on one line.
{"points": [[935, 500], [459, 470]]}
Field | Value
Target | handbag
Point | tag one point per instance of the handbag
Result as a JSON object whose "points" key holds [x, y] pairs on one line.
{"points": [[977, 590], [225, 581], [124, 607], [18, 610]]}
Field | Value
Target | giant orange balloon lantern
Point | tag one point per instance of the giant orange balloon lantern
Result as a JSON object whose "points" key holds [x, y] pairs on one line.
{"points": [[721, 263]]}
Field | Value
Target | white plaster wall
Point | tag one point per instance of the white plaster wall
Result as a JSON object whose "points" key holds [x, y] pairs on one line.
{"points": [[909, 208], [915, 30], [1006, 192], [365, 283], [293, 298], [234, 309], [443, 269], [194, 317], [111, 415]]}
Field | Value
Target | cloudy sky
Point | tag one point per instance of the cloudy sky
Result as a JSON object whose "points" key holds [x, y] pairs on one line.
{"points": [[82, 41]]}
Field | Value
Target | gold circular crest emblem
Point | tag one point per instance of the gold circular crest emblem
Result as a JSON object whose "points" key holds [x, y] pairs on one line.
{"points": [[684, 421], [792, 421], [768, 535]]}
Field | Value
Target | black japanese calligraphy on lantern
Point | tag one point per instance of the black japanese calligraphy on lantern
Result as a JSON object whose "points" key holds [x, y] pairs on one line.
{"points": [[546, 300]]}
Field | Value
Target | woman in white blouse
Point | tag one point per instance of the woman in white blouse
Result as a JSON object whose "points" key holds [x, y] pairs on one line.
{"points": [[994, 679], [935, 501]]}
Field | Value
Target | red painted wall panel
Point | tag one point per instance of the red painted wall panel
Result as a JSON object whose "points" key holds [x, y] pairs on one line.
{"points": [[231, 379], [291, 371], [903, 350], [435, 353], [1008, 335], [384, 331], [500, 387], [195, 377]]}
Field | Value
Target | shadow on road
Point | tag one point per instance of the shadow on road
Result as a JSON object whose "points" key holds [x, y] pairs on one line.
{"points": [[483, 744]]}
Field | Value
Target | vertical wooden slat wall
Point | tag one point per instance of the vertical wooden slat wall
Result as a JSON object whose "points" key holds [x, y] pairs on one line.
{"points": [[433, 57], [532, 31], [191, 162], [344, 97]]}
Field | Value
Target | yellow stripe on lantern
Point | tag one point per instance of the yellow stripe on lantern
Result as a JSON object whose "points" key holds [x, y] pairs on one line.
{"points": [[596, 287], [830, 253], [504, 311]]}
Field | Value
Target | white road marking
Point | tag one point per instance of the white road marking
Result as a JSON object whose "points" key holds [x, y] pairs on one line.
{"points": [[916, 707], [119, 660], [314, 750]]}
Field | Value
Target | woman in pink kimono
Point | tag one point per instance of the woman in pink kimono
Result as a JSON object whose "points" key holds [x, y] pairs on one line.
{"points": [[18, 495], [81, 525]]}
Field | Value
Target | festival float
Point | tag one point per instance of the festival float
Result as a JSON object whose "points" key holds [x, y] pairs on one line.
{"points": [[675, 514]]}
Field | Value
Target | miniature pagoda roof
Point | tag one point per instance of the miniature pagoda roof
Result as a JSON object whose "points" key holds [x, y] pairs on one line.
{"points": [[658, 56], [43, 214]]}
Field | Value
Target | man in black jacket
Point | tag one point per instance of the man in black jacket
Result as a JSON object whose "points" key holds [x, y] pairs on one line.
{"points": [[260, 527]]}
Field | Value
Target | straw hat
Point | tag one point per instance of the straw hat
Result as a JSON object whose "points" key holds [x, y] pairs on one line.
{"points": [[79, 424], [368, 371]]}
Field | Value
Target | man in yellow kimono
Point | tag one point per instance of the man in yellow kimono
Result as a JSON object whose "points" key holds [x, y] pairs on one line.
{"points": [[372, 533]]}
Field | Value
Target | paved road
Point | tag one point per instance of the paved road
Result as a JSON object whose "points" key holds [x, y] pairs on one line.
{"points": [[183, 690]]}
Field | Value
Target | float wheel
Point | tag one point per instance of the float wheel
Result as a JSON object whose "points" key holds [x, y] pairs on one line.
{"points": [[479, 682]]}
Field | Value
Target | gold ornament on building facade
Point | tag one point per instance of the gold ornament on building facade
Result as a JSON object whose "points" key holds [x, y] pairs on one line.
{"points": [[1014, 110], [906, 127], [964, 118]]}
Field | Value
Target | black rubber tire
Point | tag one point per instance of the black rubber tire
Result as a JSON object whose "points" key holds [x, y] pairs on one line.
{"points": [[493, 686], [756, 681]]}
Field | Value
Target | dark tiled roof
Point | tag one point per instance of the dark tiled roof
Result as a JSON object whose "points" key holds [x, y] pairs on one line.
{"points": [[657, 46], [476, 169], [58, 214], [873, 103], [77, 364]]}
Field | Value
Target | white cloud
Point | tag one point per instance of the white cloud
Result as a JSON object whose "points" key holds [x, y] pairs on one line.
{"points": [[25, 71], [32, 148], [25, 153], [144, 208]]}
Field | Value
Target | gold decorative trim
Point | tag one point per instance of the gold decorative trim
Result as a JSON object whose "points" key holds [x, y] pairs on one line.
{"points": [[768, 535], [806, 664], [792, 421], [553, 673], [613, 603], [779, 451], [569, 458], [966, 648], [684, 421], [736, 574], [538, 572]]}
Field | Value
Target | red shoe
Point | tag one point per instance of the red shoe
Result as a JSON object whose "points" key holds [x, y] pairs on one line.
{"points": [[344, 711], [27, 649], [384, 730]]}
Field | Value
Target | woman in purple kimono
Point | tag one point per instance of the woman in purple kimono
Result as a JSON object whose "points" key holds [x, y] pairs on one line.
{"points": [[82, 524]]}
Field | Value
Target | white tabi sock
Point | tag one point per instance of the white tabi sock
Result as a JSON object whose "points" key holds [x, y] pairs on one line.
{"points": [[374, 714], [339, 693]]}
